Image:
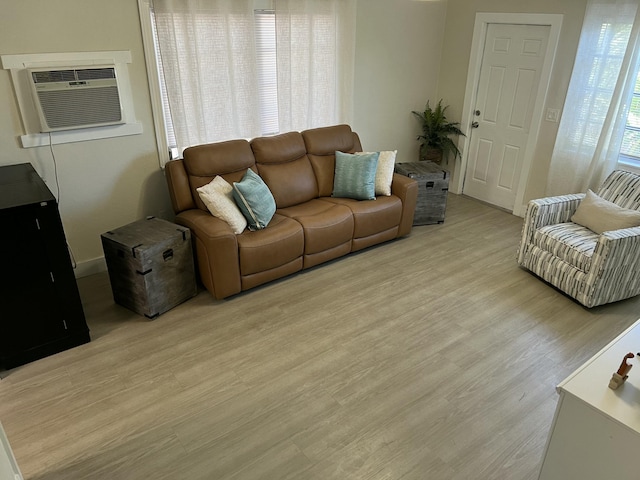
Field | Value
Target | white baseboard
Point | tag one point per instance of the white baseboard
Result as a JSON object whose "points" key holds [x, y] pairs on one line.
{"points": [[90, 267], [520, 212]]}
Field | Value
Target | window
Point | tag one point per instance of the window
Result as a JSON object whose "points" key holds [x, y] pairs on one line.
{"points": [[267, 70], [597, 83], [166, 112], [265, 33], [589, 142], [242, 69], [630, 150]]}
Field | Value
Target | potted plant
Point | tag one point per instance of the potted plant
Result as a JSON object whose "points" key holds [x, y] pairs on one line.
{"points": [[435, 141]]}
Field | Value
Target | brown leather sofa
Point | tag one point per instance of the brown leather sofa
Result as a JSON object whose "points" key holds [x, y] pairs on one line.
{"points": [[309, 227]]}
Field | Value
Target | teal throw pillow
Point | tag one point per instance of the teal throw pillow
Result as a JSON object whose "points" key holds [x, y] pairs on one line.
{"points": [[355, 176], [255, 200]]}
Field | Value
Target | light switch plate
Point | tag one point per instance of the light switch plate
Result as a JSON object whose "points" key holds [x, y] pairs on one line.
{"points": [[552, 115]]}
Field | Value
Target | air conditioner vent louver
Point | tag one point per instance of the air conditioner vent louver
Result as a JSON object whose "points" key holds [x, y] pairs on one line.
{"points": [[53, 76], [76, 98], [68, 109], [95, 73]]}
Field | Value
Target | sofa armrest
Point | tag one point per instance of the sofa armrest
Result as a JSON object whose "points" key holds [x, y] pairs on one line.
{"points": [[616, 248], [552, 210], [178, 184], [546, 211], [216, 250], [407, 190], [615, 262]]}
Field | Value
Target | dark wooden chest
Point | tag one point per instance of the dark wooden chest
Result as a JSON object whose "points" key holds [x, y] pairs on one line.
{"points": [[40, 308], [150, 265], [433, 186]]}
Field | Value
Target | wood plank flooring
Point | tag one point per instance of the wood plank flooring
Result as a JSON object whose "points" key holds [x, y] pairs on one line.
{"points": [[431, 357]]}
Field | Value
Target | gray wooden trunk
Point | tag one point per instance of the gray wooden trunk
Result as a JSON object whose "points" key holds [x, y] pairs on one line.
{"points": [[150, 265], [433, 186]]}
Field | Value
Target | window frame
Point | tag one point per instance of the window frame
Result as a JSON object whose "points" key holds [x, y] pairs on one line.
{"points": [[626, 160], [159, 124], [159, 103], [267, 71]]}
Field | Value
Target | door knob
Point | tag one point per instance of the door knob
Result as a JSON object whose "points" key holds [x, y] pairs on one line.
{"points": [[475, 125]]}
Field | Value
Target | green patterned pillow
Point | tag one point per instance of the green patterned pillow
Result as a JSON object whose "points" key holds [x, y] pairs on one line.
{"points": [[355, 176], [255, 200]]}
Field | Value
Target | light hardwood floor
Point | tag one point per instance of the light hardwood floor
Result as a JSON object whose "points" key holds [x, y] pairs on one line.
{"points": [[431, 357]]}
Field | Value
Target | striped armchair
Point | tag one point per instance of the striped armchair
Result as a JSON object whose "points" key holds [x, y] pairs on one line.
{"points": [[593, 269]]}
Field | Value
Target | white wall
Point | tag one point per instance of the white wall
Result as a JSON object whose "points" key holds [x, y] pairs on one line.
{"points": [[398, 49], [103, 183]]}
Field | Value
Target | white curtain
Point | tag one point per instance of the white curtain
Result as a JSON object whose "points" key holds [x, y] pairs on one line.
{"points": [[595, 111], [208, 57], [213, 75], [316, 51]]}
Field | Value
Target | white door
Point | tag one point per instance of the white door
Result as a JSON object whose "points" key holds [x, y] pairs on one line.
{"points": [[512, 62]]}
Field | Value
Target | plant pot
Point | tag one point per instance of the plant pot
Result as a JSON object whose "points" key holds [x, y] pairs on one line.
{"points": [[431, 155]]}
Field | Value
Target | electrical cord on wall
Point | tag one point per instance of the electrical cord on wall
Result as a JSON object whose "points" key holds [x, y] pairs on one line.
{"points": [[55, 168], [55, 172]]}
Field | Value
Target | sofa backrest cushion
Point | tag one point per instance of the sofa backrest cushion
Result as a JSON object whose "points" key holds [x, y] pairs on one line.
{"points": [[321, 145], [229, 159], [283, 165], [622, 188]]}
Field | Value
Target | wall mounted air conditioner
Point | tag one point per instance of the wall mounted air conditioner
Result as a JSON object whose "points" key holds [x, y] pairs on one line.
{"points": [[76, 97]]}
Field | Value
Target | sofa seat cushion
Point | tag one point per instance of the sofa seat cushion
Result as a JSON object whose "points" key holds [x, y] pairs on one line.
{"points": [[569, 241], [278, 244], [371, 217], [326, 225]]}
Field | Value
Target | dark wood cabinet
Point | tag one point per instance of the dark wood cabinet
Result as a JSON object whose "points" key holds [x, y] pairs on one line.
{"points": [[40, 308]]}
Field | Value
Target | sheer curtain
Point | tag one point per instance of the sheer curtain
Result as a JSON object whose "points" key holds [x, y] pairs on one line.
{"points": [[595, 111], [208, 56], [316, 51], [213, 71]]}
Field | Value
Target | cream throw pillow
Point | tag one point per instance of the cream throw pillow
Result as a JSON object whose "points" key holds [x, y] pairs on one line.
{"points": [[384, 171], [217, 195], [600, 215]]}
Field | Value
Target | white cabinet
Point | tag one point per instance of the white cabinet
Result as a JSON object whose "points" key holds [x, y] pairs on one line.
{"points": [[596, 430], [8, 466]]}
